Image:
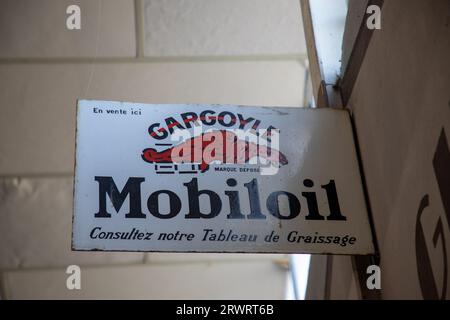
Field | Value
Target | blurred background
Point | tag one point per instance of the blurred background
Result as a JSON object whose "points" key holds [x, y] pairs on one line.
{"points": [[250, 52]]}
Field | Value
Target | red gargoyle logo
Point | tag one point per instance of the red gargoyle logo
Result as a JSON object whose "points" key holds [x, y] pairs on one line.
{"points": [[222, 146]]}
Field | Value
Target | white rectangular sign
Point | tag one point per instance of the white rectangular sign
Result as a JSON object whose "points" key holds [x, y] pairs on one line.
{"points": [[217, 178]]}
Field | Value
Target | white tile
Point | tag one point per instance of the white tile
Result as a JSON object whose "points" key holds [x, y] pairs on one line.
{"points": [[217, 280], [36, 29], [37, 104], [36, 226], [217, 27]]}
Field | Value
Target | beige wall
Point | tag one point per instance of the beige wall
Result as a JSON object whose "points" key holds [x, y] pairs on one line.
{"points": [[400, 104], [149, 51]]}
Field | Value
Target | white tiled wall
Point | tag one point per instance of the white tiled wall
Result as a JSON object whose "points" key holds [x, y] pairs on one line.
{"points": [[238, 52], [39, 94], [213, 280], [217, 27], [37, 29], [36, 223]]}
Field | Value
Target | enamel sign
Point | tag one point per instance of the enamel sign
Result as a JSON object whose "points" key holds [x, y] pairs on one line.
{"points": [[217, 178]]}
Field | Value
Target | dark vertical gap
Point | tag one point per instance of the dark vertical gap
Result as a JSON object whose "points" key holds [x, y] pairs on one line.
{"points": [[357, 56], [346, 85], [360, 263]]}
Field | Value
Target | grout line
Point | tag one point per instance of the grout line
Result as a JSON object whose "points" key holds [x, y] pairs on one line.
{"points": [[149, 262], [37, 175], [139, 32], [155, 59], [61, 267]]}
